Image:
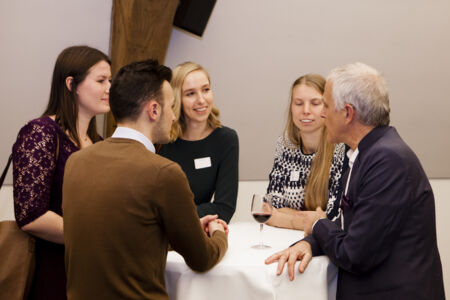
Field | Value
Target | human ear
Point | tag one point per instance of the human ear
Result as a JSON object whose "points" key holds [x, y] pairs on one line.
{"points": [[349, 112], [153, 110], [69, 82]]}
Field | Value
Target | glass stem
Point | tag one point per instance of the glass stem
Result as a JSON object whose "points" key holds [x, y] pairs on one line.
{"points": [[261, 235]]}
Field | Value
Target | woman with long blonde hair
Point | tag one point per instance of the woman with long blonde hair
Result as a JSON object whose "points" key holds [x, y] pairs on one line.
{"points": [[207, 151], [306, 168]]}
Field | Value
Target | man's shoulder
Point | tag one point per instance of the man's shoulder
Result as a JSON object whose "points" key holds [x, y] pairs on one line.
{"points": [[391, 155], [166, 172], [390, 145], [160, 162], [147, 159], [164, 167], [85, 155]]}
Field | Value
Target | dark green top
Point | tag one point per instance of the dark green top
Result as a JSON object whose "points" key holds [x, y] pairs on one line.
{"points": [[218, 178]]}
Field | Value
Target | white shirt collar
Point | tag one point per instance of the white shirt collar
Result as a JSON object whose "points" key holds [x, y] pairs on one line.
{"points": [[128, 133], [352, 156]]}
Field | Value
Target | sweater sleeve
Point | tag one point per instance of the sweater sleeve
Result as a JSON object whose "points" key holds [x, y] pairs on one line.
{"points": [[226, 186], [277, 178], [182, 225]]}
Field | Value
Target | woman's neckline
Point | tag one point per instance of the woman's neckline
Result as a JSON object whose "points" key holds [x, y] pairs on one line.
{"points": [[200, 140], [301, 148], [303, 153]]}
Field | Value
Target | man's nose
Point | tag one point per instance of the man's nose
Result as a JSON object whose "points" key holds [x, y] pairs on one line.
{"points": [[323, 113]]}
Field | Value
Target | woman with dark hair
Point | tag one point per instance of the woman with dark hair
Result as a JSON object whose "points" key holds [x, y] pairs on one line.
{"points": [[206, 151], [307, 169], [79, 91]]}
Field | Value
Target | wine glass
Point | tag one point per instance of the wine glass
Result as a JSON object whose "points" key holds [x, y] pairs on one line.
{"points": [[261, 211]]}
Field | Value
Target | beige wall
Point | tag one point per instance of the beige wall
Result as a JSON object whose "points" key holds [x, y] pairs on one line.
{"points": [[254, 50], [441, 189]]}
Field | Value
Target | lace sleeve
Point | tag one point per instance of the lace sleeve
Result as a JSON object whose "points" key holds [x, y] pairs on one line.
{"points": [[33, 170]]}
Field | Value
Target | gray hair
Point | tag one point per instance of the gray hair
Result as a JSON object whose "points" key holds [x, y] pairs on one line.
{"points": [[365, 89]]}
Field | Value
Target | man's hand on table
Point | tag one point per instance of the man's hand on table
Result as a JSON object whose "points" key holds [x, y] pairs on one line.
{"points": [[300, 251], [211, 223]]}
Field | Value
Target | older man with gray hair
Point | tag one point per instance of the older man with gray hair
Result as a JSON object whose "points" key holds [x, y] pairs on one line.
{"points": [[384, 243]]}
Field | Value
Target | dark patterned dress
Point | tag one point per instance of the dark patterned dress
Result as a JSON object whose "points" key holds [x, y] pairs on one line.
{"points": [[38, 179], [290, 172]]}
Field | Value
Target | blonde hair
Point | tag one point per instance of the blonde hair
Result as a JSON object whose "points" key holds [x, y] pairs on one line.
{"points": [[178, 76], [316, 189]]}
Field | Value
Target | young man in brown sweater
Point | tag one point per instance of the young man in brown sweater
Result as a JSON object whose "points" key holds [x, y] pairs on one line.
{"points": [[123, 204]]}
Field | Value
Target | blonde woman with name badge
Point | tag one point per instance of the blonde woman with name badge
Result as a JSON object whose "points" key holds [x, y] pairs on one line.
{"points": [[307, 169], [207, 151]]}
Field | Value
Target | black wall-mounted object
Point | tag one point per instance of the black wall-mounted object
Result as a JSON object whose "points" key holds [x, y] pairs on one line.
{"points": [[193, 15]]}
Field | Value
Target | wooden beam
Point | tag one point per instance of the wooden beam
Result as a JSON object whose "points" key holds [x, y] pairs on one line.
{"points": [[140, 30]]}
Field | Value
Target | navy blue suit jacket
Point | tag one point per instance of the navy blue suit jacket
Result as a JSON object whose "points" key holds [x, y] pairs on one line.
{"points": [[388, 247]]}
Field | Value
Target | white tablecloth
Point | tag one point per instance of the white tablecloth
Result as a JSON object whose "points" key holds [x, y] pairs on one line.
{"points": [[242, 273]]}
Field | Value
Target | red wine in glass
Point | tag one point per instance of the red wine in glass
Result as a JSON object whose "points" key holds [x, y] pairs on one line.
{"points": [[261, 211], [261, 217]]}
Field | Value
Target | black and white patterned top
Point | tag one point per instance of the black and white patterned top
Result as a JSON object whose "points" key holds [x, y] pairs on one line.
{"points": [[290, 172]]}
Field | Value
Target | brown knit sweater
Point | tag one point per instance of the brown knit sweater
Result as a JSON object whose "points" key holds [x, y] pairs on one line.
{"points": [[122, 206]]}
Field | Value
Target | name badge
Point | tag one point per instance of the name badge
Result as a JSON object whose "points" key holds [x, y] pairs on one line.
{"points": [[201, 163], [295, 176]]}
